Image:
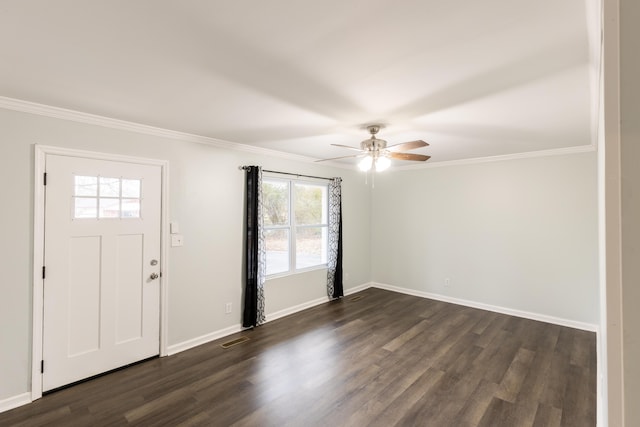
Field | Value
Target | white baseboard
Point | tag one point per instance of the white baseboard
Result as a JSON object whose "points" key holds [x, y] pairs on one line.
{"points": [[358, 288], [194, 342], [14, 402], [503, 310], [296, 308]]}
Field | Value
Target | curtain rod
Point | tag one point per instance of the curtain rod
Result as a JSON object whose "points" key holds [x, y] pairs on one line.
{"points": [[292, 174]]}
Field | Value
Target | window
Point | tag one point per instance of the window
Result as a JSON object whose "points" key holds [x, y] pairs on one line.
{"points": [[104, 197], [295, 224]]}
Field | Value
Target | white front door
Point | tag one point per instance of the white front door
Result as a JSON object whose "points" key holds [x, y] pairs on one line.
{"points": [[102, 266]]}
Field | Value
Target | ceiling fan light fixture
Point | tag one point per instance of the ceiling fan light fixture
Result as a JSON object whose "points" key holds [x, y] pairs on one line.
{"points": [[365, 164], [382, 163], [377, 155]]}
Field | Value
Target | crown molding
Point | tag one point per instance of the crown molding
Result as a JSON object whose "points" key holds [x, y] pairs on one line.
{"points": [[514, 156], [94, 119]]}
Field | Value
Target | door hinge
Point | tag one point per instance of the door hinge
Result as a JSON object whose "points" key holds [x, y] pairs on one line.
{"points": [[42, 366], [43, 271], [45, 179]]}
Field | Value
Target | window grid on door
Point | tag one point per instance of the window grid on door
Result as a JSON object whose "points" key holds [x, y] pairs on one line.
{"points": [[101, 197]]}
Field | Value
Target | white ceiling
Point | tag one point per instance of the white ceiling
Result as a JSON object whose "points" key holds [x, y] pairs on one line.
{"points": [[472, 78]]}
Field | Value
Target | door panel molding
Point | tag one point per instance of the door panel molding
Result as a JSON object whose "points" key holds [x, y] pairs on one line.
{"points": [[40, 154]]}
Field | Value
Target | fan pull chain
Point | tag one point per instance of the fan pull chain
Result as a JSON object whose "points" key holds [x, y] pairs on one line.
{"points": [[373, 178]]}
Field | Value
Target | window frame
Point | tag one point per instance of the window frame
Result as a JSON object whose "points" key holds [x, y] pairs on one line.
{"points": [[292, 227]]}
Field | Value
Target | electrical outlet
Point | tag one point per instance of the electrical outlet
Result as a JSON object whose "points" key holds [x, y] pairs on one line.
{"points": [[227, 308], [346, 277], [447, 282]]}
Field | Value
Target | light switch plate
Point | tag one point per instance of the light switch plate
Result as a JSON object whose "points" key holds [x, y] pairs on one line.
{"points": [[177, 240], [174, 227]]}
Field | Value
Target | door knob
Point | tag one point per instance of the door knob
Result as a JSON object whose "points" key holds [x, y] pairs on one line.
{"points": [[154, 276]]}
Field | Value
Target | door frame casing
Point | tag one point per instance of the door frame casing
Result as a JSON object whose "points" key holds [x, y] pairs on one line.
{"points": [[40, 155]]}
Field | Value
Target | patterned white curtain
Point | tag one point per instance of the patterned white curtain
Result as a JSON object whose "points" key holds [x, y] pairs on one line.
{"points": [[255, 262], [334, 263]]}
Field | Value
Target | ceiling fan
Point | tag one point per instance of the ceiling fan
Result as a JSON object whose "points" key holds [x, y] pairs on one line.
{"points": [[377, 155]]}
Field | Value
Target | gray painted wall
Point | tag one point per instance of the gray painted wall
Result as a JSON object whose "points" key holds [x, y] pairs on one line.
{"points": [[206, 198], [519, 234]]}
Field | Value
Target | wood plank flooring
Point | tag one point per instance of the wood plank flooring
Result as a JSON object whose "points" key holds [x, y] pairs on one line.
{"points": [[386, 359]]}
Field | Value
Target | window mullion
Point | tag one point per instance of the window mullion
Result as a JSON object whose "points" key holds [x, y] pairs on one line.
{"points": [[120, 197], [292, 228], [276, 227]]}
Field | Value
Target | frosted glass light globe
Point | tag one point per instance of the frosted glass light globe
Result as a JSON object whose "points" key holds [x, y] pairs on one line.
{"points": [[365, 164], [382, 163]]}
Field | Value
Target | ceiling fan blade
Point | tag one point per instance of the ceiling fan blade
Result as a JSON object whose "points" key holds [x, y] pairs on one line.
{"points": [[409, 156], [405, 146], [346, 146], [341, 157]]}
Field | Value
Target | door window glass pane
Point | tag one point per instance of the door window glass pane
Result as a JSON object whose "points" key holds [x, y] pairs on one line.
{"points": [[85, 207], [109, 187], [131, 188], [86, 186], [109, 208], [130, 208]]}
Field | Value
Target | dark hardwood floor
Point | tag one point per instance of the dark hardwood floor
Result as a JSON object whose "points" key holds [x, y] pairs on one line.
{"points": [[385, 359]]}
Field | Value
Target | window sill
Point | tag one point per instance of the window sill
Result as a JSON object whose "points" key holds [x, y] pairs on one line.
{"points": [[295, 272]]}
